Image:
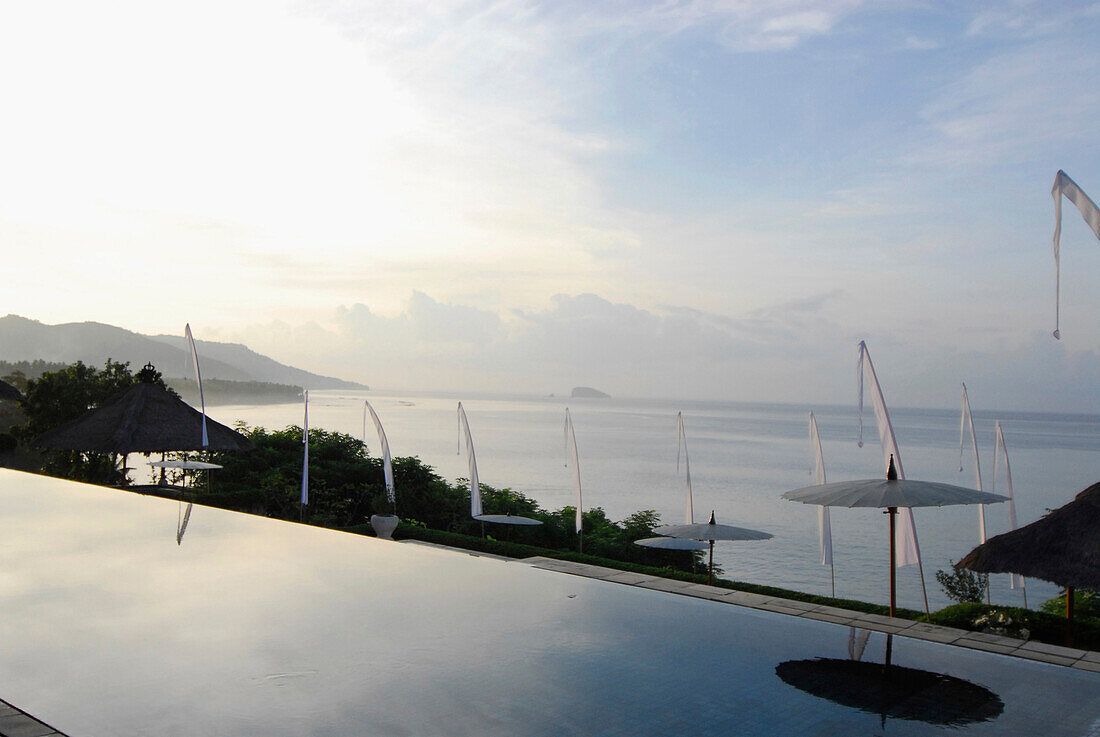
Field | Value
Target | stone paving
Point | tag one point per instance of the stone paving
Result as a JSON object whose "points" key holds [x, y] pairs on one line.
{"points": [[16, 723], [1056, 654]]}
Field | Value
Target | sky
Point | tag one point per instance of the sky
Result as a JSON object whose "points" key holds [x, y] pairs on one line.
{"points": [[710, 199]]}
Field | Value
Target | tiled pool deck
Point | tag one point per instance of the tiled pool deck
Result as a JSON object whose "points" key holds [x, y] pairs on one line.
{"points": [[1054, 654], [15, 723]]}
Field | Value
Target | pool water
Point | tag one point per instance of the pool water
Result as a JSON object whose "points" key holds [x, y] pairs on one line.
{"points": [[112, 623]]}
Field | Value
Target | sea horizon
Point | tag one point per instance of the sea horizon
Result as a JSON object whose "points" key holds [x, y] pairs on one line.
{"points": [[743, 456]]}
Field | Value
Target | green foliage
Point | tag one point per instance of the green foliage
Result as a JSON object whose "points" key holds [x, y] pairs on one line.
{"points": [[347, 487], [59, 396], [268, 480], [1086, 604], [962, 585], [1038, 625]]}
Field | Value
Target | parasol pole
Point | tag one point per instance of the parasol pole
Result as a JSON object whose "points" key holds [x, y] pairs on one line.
{"points": [[892, 512], [710, 566]]}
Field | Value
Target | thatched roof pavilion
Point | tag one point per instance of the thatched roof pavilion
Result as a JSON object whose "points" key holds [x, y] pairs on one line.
{"points": [[142, 419], [1062, 547], [10, 393]]}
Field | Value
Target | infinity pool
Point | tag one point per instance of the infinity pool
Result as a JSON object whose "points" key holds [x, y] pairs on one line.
{"points": [[112, 623]]}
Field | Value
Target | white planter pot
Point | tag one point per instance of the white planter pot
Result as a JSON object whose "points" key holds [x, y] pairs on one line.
{"points": [[384, 525]]}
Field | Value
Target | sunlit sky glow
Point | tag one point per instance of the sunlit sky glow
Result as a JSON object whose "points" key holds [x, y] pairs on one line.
{"points": [[712, 199]]}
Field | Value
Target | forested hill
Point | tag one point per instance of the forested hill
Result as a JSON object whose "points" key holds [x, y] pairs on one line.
{"points": [[92, 342]]}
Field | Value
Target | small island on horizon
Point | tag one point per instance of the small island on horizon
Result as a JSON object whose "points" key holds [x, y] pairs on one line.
{"points": [[587, 392]]}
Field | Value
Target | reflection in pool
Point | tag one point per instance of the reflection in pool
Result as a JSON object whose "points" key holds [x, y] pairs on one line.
{"points": [[110, 626], [893, 691]]}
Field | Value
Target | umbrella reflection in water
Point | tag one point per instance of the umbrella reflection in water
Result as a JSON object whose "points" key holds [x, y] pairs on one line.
{"points": [[892, 691]]}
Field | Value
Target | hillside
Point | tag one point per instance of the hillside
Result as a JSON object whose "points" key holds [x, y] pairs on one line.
{"points": [[93, 343]]}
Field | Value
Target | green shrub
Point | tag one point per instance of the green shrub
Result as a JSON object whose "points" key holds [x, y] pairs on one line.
{"points": [[1039, 625], [962, 585], [1086, 604]]}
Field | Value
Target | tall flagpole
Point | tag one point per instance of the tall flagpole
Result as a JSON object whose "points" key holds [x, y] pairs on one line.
{"points": [[682, 445], [305, 456], [905, 532], [198, 380], [571, 441], [824, 525], [387, 462], [999, 449], [1066, 187], [968, 418], [471, 460]]}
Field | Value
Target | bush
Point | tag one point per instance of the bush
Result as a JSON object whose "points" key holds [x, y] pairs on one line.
{"points": [[962, 585], [1086, 604], [1013, 622]]}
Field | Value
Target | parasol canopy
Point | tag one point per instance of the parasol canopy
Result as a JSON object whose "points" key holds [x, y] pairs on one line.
{"points": [[1062, 547], [890, 494], [507, 519], [711, 532], [671, 543], [886, 493], [143, 418]]}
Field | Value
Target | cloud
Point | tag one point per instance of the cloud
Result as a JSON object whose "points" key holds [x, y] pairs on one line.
{"points": [[576, 339], [1013, 108]]}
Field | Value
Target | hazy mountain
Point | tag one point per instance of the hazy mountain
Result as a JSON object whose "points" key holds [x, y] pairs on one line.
{"points": [[93, 343]]}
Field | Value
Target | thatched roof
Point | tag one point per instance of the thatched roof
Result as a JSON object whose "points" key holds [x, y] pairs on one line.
{"points": [[142, 419], [1063, 547], [9, 392]]}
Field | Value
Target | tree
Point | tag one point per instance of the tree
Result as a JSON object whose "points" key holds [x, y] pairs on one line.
{"points": [[57, 397]]}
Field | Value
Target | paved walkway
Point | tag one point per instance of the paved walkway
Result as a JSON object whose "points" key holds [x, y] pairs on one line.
{"points": [[1067, 656], [15, 723]]}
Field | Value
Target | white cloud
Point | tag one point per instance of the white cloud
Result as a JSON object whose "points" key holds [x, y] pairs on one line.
{"points": [[1013, 108], [795, 352]]}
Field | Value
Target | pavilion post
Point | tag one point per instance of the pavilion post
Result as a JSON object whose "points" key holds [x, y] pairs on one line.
{"points": [[1069, 616]]}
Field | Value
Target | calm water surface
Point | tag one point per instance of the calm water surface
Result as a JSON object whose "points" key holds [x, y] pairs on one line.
{"points": [[116, 625], [743, 456]]}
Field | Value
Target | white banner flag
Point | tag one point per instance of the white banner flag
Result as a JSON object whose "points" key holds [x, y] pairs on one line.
{"points": [[682, 445], [905, 537], [571, 442], [1064, 186], [471, 459], [387, 464], [198, 379], [968, 418], [305, 451], [824, 525], [999, 450]]}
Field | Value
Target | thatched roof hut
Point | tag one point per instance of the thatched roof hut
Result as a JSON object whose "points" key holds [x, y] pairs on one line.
{"points": [[10, 393], [1063, 547], [142, 419]]}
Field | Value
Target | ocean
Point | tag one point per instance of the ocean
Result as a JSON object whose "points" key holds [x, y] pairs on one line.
{"points": [[743, 456]]}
